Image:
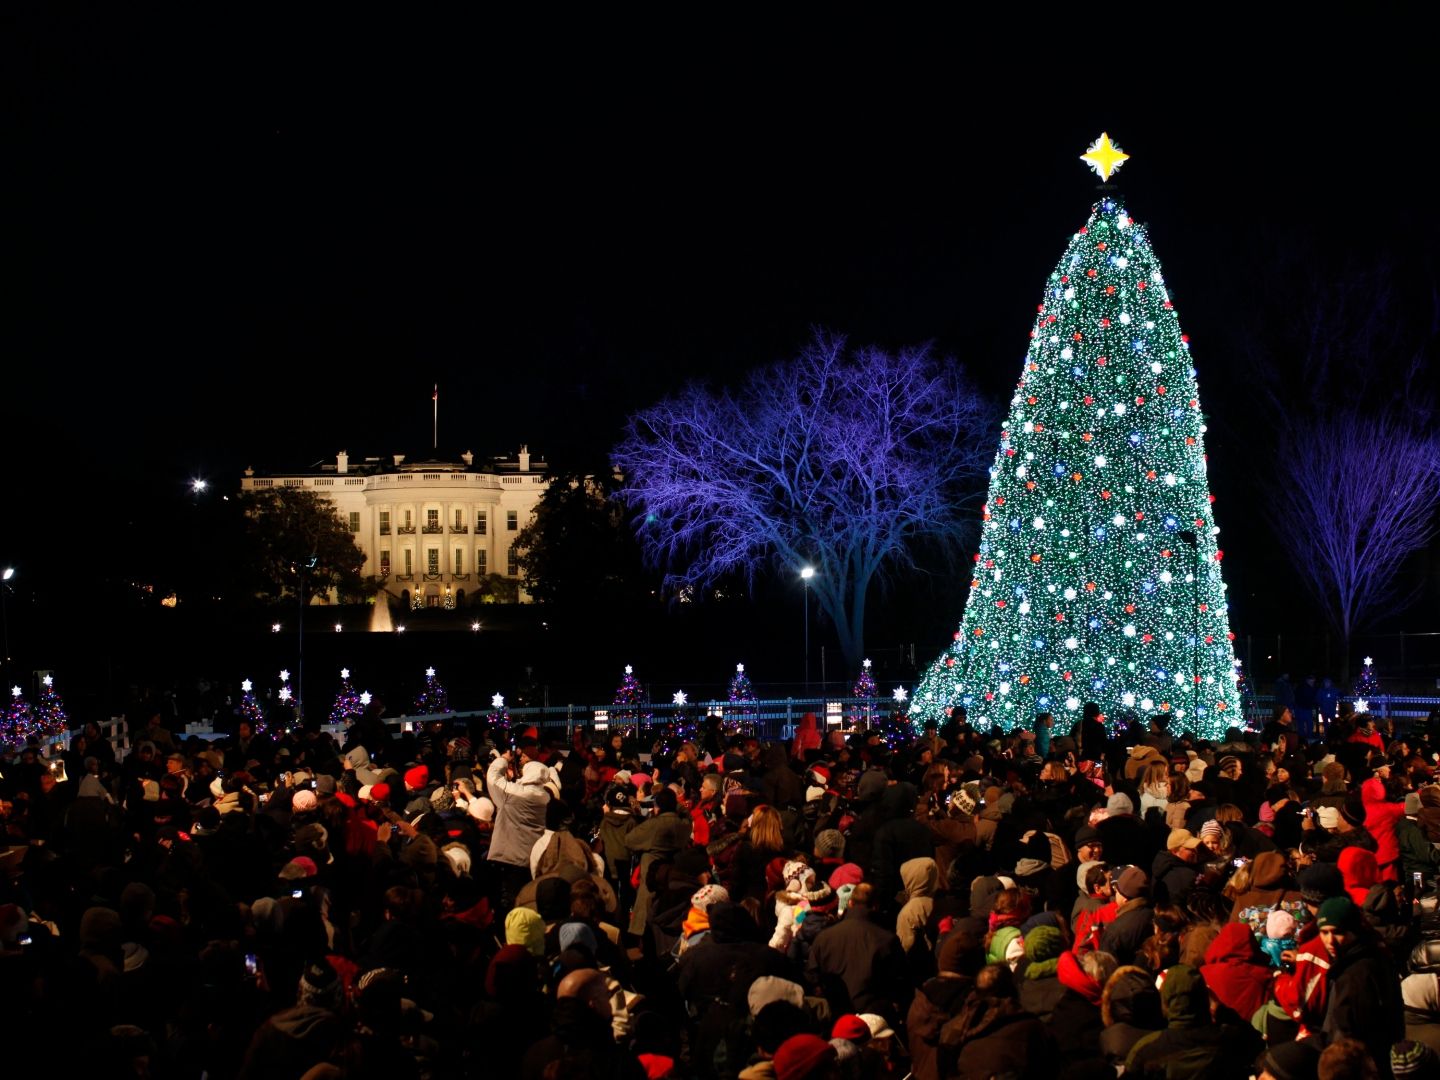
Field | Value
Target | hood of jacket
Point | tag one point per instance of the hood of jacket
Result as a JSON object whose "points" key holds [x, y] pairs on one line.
{"points": [[980, 1016], [731, 924], [1184, 997], [1130, 997], [919, 877], [1234, 944], [1360, 871], [1072, 976], [1430, 796], [1268, 871], [303, 1021]]}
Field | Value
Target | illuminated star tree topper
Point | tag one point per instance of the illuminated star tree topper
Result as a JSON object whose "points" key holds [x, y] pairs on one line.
{"points": [[1098, 575]]}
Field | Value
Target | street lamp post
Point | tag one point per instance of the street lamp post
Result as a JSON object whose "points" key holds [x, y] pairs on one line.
{"points": [[5, 587], [305, 568], [806, 573]]}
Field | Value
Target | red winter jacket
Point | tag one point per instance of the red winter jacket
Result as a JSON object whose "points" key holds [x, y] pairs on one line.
{"points": [[1235, 972], [1381, 817], [1072, 976]]}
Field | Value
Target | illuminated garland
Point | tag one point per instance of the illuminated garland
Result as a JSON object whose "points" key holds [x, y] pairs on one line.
{"points": [[1098, 575]]}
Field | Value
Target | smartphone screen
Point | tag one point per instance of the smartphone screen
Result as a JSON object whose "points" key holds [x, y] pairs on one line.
{"points": [[252, 964]]}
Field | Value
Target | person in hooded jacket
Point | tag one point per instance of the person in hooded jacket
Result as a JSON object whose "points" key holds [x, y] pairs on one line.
{"points": [[993, 1035], [1036, 976], [1075, 1022], [1130, 1010], [1127, 933], [658, 837], [1191, 1041], [1271, 888], [1236, 971], [936, 1000], [1383, 799]]}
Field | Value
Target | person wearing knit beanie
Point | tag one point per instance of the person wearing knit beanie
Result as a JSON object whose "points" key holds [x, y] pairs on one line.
{"points": [[830, 844], [303, 801], [417, 778], [1291, 1061], [803, 1057]]}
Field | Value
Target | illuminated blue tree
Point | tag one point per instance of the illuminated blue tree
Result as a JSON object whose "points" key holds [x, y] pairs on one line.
{"points": [[841, 459]]}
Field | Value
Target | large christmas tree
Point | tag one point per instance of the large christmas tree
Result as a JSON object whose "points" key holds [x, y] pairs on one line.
{"points": [[1098, 575]]}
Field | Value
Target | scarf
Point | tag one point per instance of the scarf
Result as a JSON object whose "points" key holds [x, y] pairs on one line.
{"points": [[997, 921], [696, 922]]}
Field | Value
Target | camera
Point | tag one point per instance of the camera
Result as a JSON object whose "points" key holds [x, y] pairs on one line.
{"points": [[1237, 862], [297, 893], [25, 939]]}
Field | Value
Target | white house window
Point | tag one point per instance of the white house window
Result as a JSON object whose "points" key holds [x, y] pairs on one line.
{"points": [[514, 565], [432, 561], [459, 561], [354, 521], [480, 562], [479, 522], [512, 520]]}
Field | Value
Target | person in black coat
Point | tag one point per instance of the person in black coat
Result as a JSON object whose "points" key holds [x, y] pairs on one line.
{"points": [[1364, 987], [1127, 933], [857, 965], [581, 1042], [901, 838], [733, 956]]}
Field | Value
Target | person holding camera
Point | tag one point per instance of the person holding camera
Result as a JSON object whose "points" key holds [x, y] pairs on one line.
{"points": [[517, 784]]}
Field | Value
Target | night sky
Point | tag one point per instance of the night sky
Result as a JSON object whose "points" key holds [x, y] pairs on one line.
{"points": [[260, 244]]}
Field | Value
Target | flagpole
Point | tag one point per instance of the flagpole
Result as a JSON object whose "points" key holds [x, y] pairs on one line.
{"points": [[435, 427]]}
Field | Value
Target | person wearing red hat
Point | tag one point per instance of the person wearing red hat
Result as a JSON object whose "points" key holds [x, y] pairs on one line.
{"points": [[805, 1057]]}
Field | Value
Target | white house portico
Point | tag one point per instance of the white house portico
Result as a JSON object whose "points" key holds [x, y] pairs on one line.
{"points": [[433, 528]]}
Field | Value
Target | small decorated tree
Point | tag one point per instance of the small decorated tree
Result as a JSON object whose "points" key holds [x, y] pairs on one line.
{"points": [[499, 715], [1367, 685], [864, 690], [742, 697], [629, 701], [347, 707], [51, 719], [250, 708], [17, 723], [433, 699]]}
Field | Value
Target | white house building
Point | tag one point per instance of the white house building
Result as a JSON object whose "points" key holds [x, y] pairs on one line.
{"points": [[431, 529]]}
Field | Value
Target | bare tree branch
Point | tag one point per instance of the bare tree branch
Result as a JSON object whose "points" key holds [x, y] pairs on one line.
{"points": [[843, 460]]}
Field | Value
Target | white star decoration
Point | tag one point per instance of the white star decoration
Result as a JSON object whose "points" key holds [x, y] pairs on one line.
{"points": [[429, 672], [865, 664], [498, 701], [365, 698], [1361, 705], [739, 669], [900, 694], [14, 691], [284, 674], [344, 672], [629, 670], [1369, 660], [284, 693], [48, 680], [679, 698]]}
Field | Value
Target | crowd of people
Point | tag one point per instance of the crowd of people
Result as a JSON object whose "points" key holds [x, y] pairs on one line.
{"points": [[462, 900]]}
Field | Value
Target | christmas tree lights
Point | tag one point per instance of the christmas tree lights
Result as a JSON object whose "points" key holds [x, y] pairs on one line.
{"points": [[17, 722], [1367, 685], [347, 707], [1099, 571], [629, 700], [250, 708], [433, 699], [864, 689], [51, 719]]}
